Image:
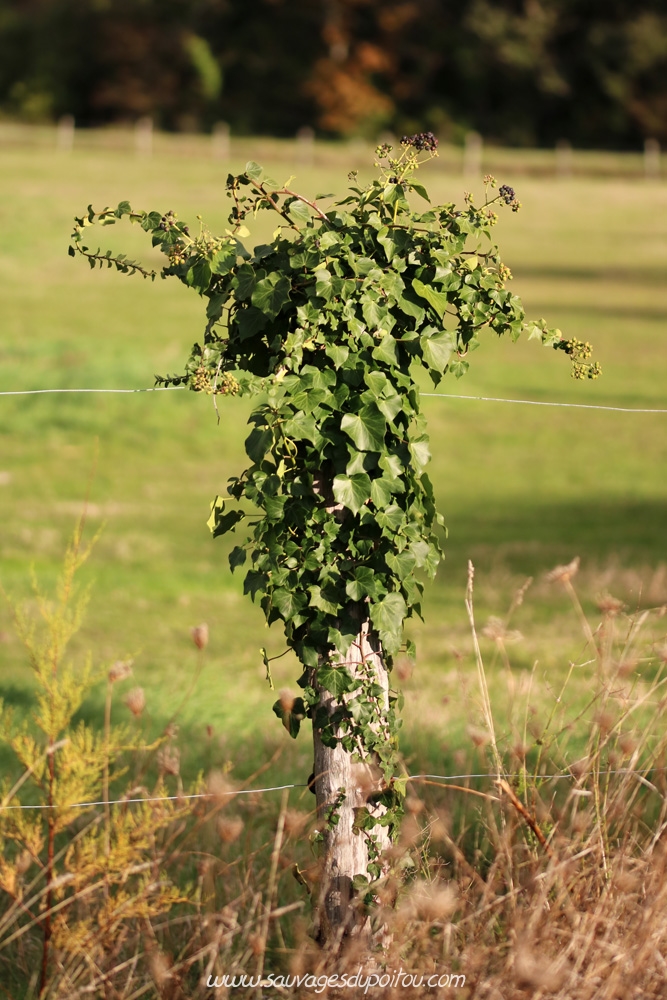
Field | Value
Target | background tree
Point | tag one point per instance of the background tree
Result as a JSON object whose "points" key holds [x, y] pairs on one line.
{"points": [[524, 72]]}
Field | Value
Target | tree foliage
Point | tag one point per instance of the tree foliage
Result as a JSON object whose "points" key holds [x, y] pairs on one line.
{"points": [[519, 71]]}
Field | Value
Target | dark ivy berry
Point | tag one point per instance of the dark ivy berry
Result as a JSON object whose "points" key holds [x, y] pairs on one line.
{"points": [[420, 141], [506, 193]]}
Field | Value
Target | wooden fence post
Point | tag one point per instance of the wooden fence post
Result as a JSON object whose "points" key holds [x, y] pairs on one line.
{"points": [[220, 141], [563, 158], [343, 786], [65, 134], [652, 159], [143, 136], [472, 155]]}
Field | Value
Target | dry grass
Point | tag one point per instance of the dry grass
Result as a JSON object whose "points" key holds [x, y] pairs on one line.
{"points": [[545, 878]]}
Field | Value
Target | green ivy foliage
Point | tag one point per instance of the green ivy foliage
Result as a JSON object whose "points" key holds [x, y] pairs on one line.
{"points": [[328, 325]]}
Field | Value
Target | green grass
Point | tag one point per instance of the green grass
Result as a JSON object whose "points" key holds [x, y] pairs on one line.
{"points": [[522, 488]]}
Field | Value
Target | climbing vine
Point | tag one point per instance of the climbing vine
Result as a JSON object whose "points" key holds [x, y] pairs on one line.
{"points": [[327, 325]]}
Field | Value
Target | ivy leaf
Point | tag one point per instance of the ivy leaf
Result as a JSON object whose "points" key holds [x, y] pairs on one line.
{"points": [[386, 350], [237, 557], [388, 612], [298, 212], [199, 276], [223, 261], [459, 368], [366, 428], [335, 680], [390, 407], [363, 585], [271, 294], [338, 353], [288, 602], [383, 489], [437, 300], [250, 321], [420, 452], [301, 427], [220, 522], [291, 718], [323, 600], [258, 443], [352, 491], [253, 170], [437, 349], [244, 282], [401, 563], [420, 189]]}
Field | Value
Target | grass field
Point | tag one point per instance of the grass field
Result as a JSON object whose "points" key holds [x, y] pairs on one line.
{"points": [[522, 488]]}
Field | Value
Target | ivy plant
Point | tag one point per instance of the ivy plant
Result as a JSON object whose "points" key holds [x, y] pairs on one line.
{"points": [[327, 325]]}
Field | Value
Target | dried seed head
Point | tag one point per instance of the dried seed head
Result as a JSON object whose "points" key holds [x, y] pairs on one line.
{"points": [[219, 787], [521, 592], [23, 862], [120, 670], [608, 605], [295, 821], [160, 965], [367, 779], [495, 629], [200, 635], [627, 743], [136, 700], [604, 721], [411, 831], [627, 881], [169, 760], [229, 828], [440, 828], [479, 737], [414, 805], [404, 669], [533, 971], [564, 573], [430, 901]]}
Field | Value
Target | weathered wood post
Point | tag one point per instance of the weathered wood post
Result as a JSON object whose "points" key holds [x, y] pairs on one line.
{"points": [[344, 787]]}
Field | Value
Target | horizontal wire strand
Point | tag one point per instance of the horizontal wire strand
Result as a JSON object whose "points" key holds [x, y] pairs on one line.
{"points": [[280, 788], [536, 402], [433, 395]]}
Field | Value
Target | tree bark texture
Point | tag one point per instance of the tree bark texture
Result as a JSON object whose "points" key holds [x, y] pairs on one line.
{"points": [[342, 786]]}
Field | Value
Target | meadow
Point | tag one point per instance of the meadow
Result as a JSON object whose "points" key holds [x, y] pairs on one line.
{"points": [[523, 489]]}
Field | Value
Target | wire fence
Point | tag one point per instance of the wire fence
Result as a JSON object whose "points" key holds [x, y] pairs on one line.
{"points": [[305, 784], [276, 788], [433, 395]]}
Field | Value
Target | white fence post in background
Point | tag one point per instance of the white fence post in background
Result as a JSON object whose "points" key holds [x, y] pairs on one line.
{"points": [[65, 134], [472, 155], [563, 158], [220, 141], [143, 136], [652, 160], [305, 144]]}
